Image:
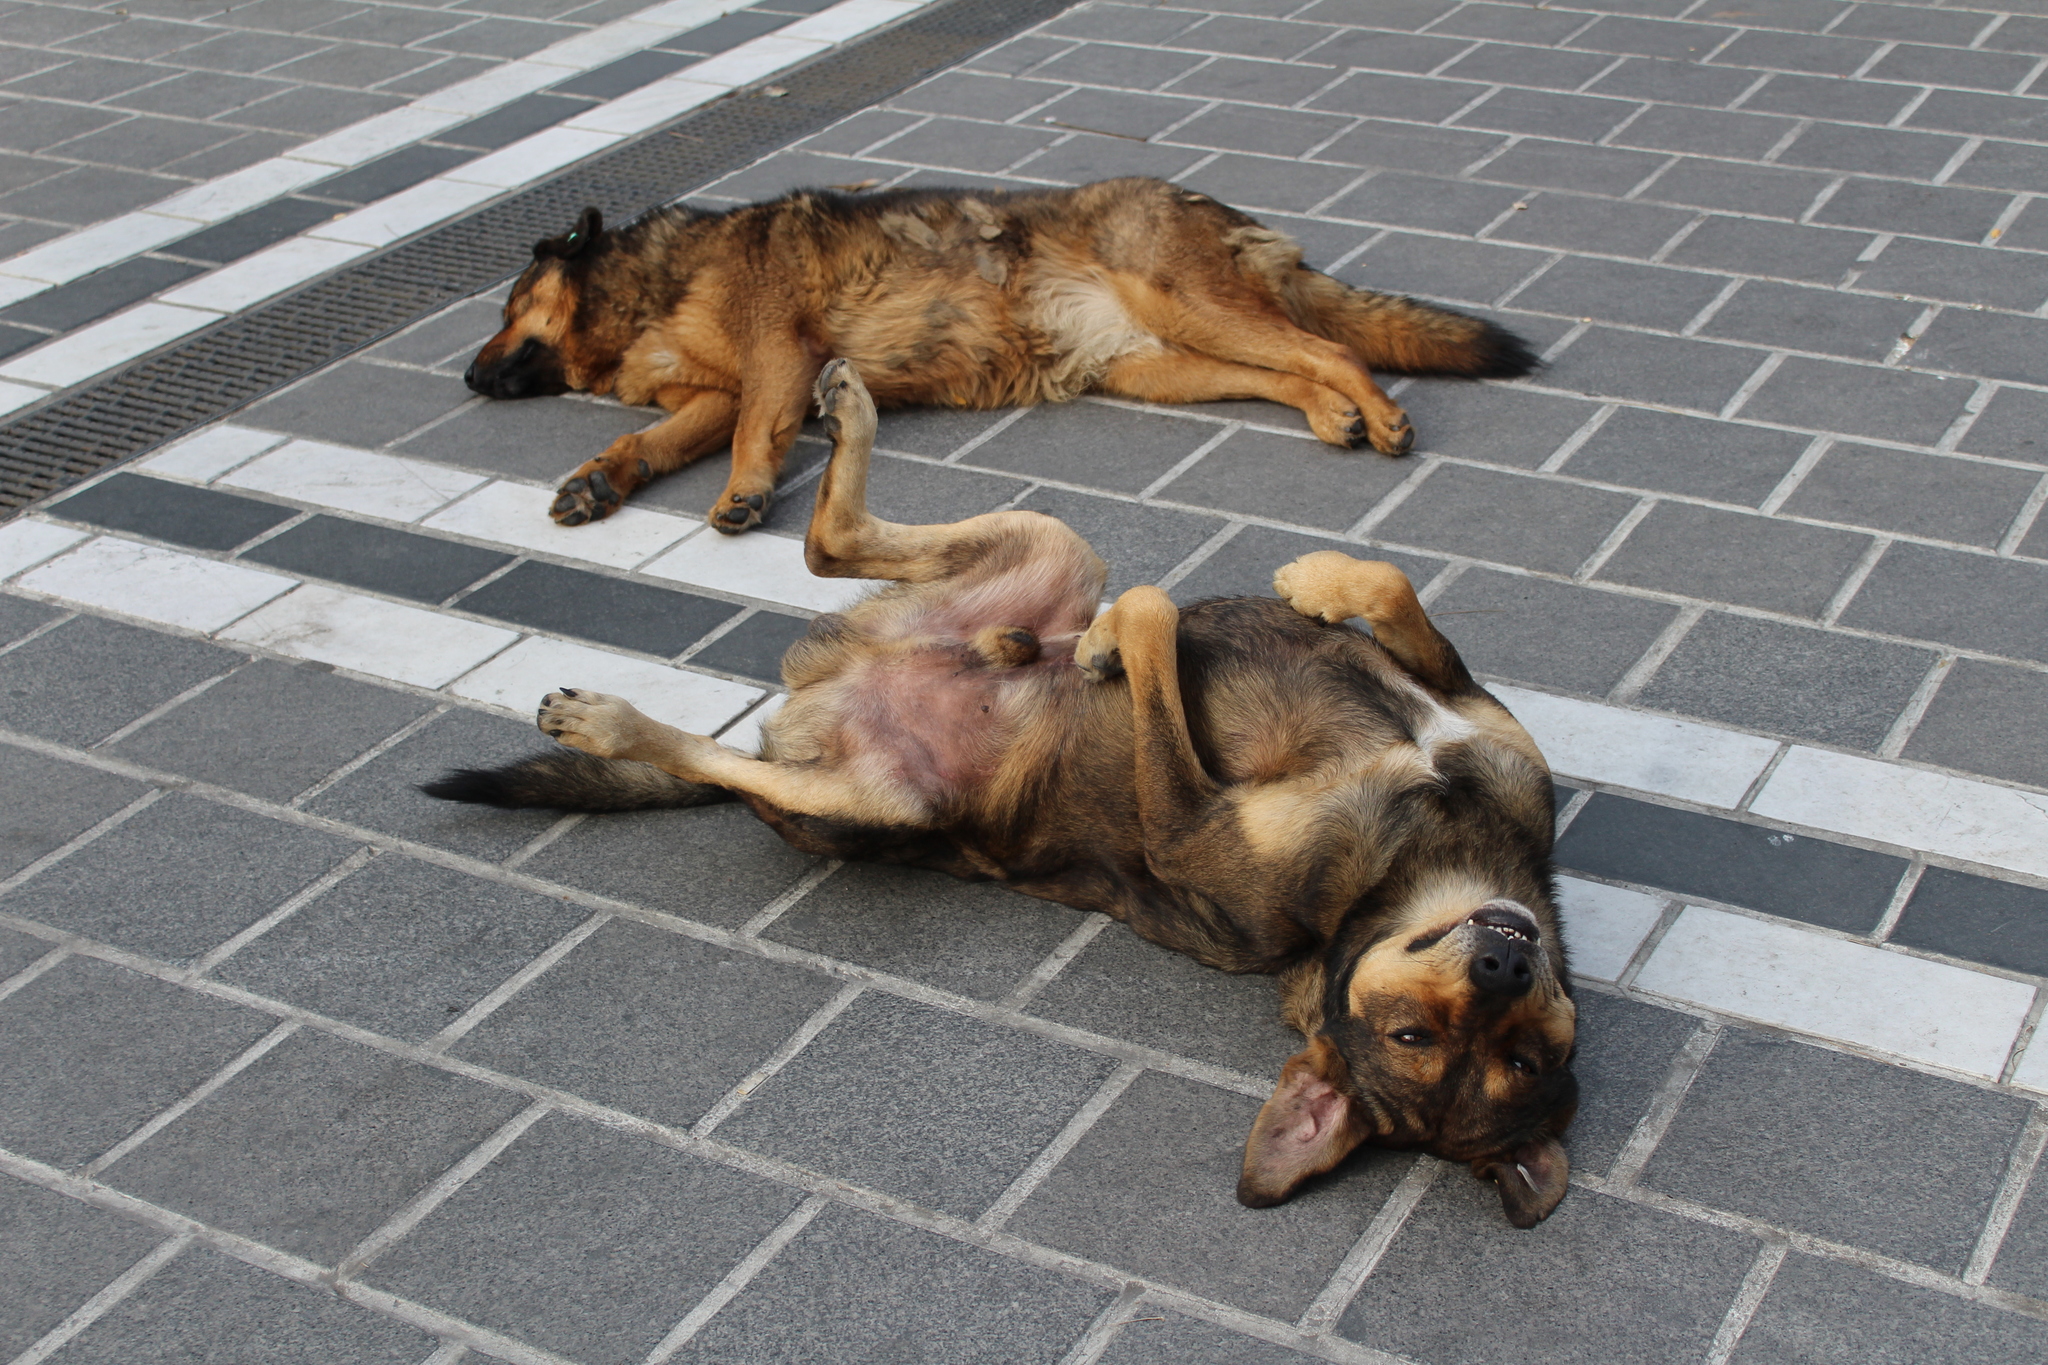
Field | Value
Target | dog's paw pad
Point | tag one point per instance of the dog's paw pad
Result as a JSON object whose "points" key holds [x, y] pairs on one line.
{"points": [[741, 512], [585, 498]]}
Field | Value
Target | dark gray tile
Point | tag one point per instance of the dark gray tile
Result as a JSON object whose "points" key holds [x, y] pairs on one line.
{"points": [[1119, 23], [1243, 566], [314, 1145], [786, 171], [91, 676], [959, 144], [401, 947], [1920, 64], [14, 340], [1274, 132], [60, 1252], [648, 1021], [18, 951], [1744, 189], [260, 227], [89, 1052], [98, 294], [1989, 115], [727, 32], [1121, 67], [1150, 1189], [1257, 182], [1989, 345], [921, 1103], [1614, 291], [1912, 22], [1433, 267], [2013, 426], [1921, 495], [1144, 543], [1976, 919], [1829, 1119], [1380, 51], [1544, 113], [1621, 1055], [754, 648], [1419, 201], [1600, 1280], [358, 404], [380, 558], [1785, 52], [383, 794], [594, 606], [87, 194], [1860, 400], [1510, 23], [1724, 461], [1506, 518], [1651, 37], [1796, 318], [975, 938], [1955, 272], [1245, 36], [1824, 1311], [1124, 987], [1018, 55], [207, 1306], [1674, 371], [178, 878], [716, 864], [1675, 82], [1925, 210], [2005, 166], [54, 802], [584, 1241], [1388, 14], [1161, 1338], [508, 123], [1228, 78], [391, 173], [1499, 423], [452, 334], [1084, 158], [1781, 250], [1411, 99], [19, 616], [272, 729], [860, 1290], [1549, 69], [1288, 479], [1572, 166], [627, 73], [1871, 151], [2029, 232], [537, 438], [1674, 128], [203, 518], [516, 38], [1691, 854], [1114, 111], [1983, 720], [1726, 556], [1409, 147], [1579, 223], [1536, 630], [1997, 605], [1066, 441]]}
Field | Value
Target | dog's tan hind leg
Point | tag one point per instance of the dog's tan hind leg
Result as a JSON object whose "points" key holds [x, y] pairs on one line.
{"points": [[1177, 376]]}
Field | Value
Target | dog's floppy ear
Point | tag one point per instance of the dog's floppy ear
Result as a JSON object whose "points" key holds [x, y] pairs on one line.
{"points": [[575, 241], [1308, 1126], [1532, 1178]]}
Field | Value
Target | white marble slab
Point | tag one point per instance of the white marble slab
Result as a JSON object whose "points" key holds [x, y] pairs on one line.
{"points": [[25, 541], [755, 60], [770, 568], [237, 191], [1604, 925], [155, 584], [745, 734], [376, 135], [404, 213], [678, 15], [1932, 812], [1791, 978], [651, 104], [1611, 744], [2032, 1072], [17, 396], [81, 354], [266, 274], [63, 259], [369, 635], [354, 480], [516, 515], [849, 19], [522, 675], [15, 288], [532, 157], [488, 90], [205, 455]]}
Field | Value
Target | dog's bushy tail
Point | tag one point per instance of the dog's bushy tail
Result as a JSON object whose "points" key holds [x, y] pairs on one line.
{"points": [[564, 779], [1402, 335]]}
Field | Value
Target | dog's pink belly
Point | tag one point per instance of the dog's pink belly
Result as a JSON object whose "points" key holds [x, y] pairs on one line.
{"points": [[941, 720]]}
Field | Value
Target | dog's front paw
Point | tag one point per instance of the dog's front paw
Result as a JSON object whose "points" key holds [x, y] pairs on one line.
{"points": [[586, 496], [741, 509], [1097, 653], [593, 722], [1315, 585]]}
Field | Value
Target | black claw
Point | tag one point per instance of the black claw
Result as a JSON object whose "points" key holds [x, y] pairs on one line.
{"points": [[601, 488], [574, 519], [568, 691]]}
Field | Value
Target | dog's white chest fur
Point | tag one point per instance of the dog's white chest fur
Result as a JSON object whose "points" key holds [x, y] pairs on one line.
{"points": [[1086, 326]]}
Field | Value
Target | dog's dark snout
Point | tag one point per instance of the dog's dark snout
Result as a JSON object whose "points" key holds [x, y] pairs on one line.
{"points": [[1500, 967], [469, 376]]}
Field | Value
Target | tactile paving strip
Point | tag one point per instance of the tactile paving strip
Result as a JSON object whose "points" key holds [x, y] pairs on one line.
{"points": [[246, 356]]}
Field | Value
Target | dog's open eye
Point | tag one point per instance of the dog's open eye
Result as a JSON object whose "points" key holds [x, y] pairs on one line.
{"points": [[1522, 1065], [1412, 1037]]}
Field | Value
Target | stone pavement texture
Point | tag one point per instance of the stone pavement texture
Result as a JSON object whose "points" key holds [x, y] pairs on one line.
{"points": [[296, 1064]]}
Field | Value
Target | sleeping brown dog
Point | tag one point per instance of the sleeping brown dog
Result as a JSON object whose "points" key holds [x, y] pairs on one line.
{"points": [[951, 297], [1250, 782]]}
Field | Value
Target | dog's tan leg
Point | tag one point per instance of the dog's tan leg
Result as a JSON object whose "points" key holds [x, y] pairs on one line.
{"points": [[1185, 377], [1330, 585], [610, 727], [700, 421], [1250, 333], [775, 394]]}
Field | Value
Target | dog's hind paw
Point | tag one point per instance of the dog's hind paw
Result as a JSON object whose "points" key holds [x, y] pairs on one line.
{"points": [[740, 511], [1097, 653], [587, 496], [1394, 436], [845, 404]]}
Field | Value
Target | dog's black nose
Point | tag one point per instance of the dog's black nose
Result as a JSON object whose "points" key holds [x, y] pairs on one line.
{"points": [[1500, 967], [469, 376]]}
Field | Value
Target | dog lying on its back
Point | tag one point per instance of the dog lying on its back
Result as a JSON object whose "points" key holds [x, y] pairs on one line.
{"points": [[1131, 287], [1249, 782]]}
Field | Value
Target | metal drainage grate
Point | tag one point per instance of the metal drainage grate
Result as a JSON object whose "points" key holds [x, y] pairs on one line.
{"points": [[248, 355]]}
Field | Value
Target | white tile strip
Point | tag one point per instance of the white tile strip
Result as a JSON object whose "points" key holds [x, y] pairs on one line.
{"points": [[769, 568], [209, 453], [1932, 812], [354, 480], [531, 157], [513, 514], [14, 397], [404, 213], [1852, 993], [266, 274], [746, 736], [1659, 754], [2032, 1072], [24, 542], [522, 675], [156, 584], [406, 644], [78, 356], [1604, 925]]}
